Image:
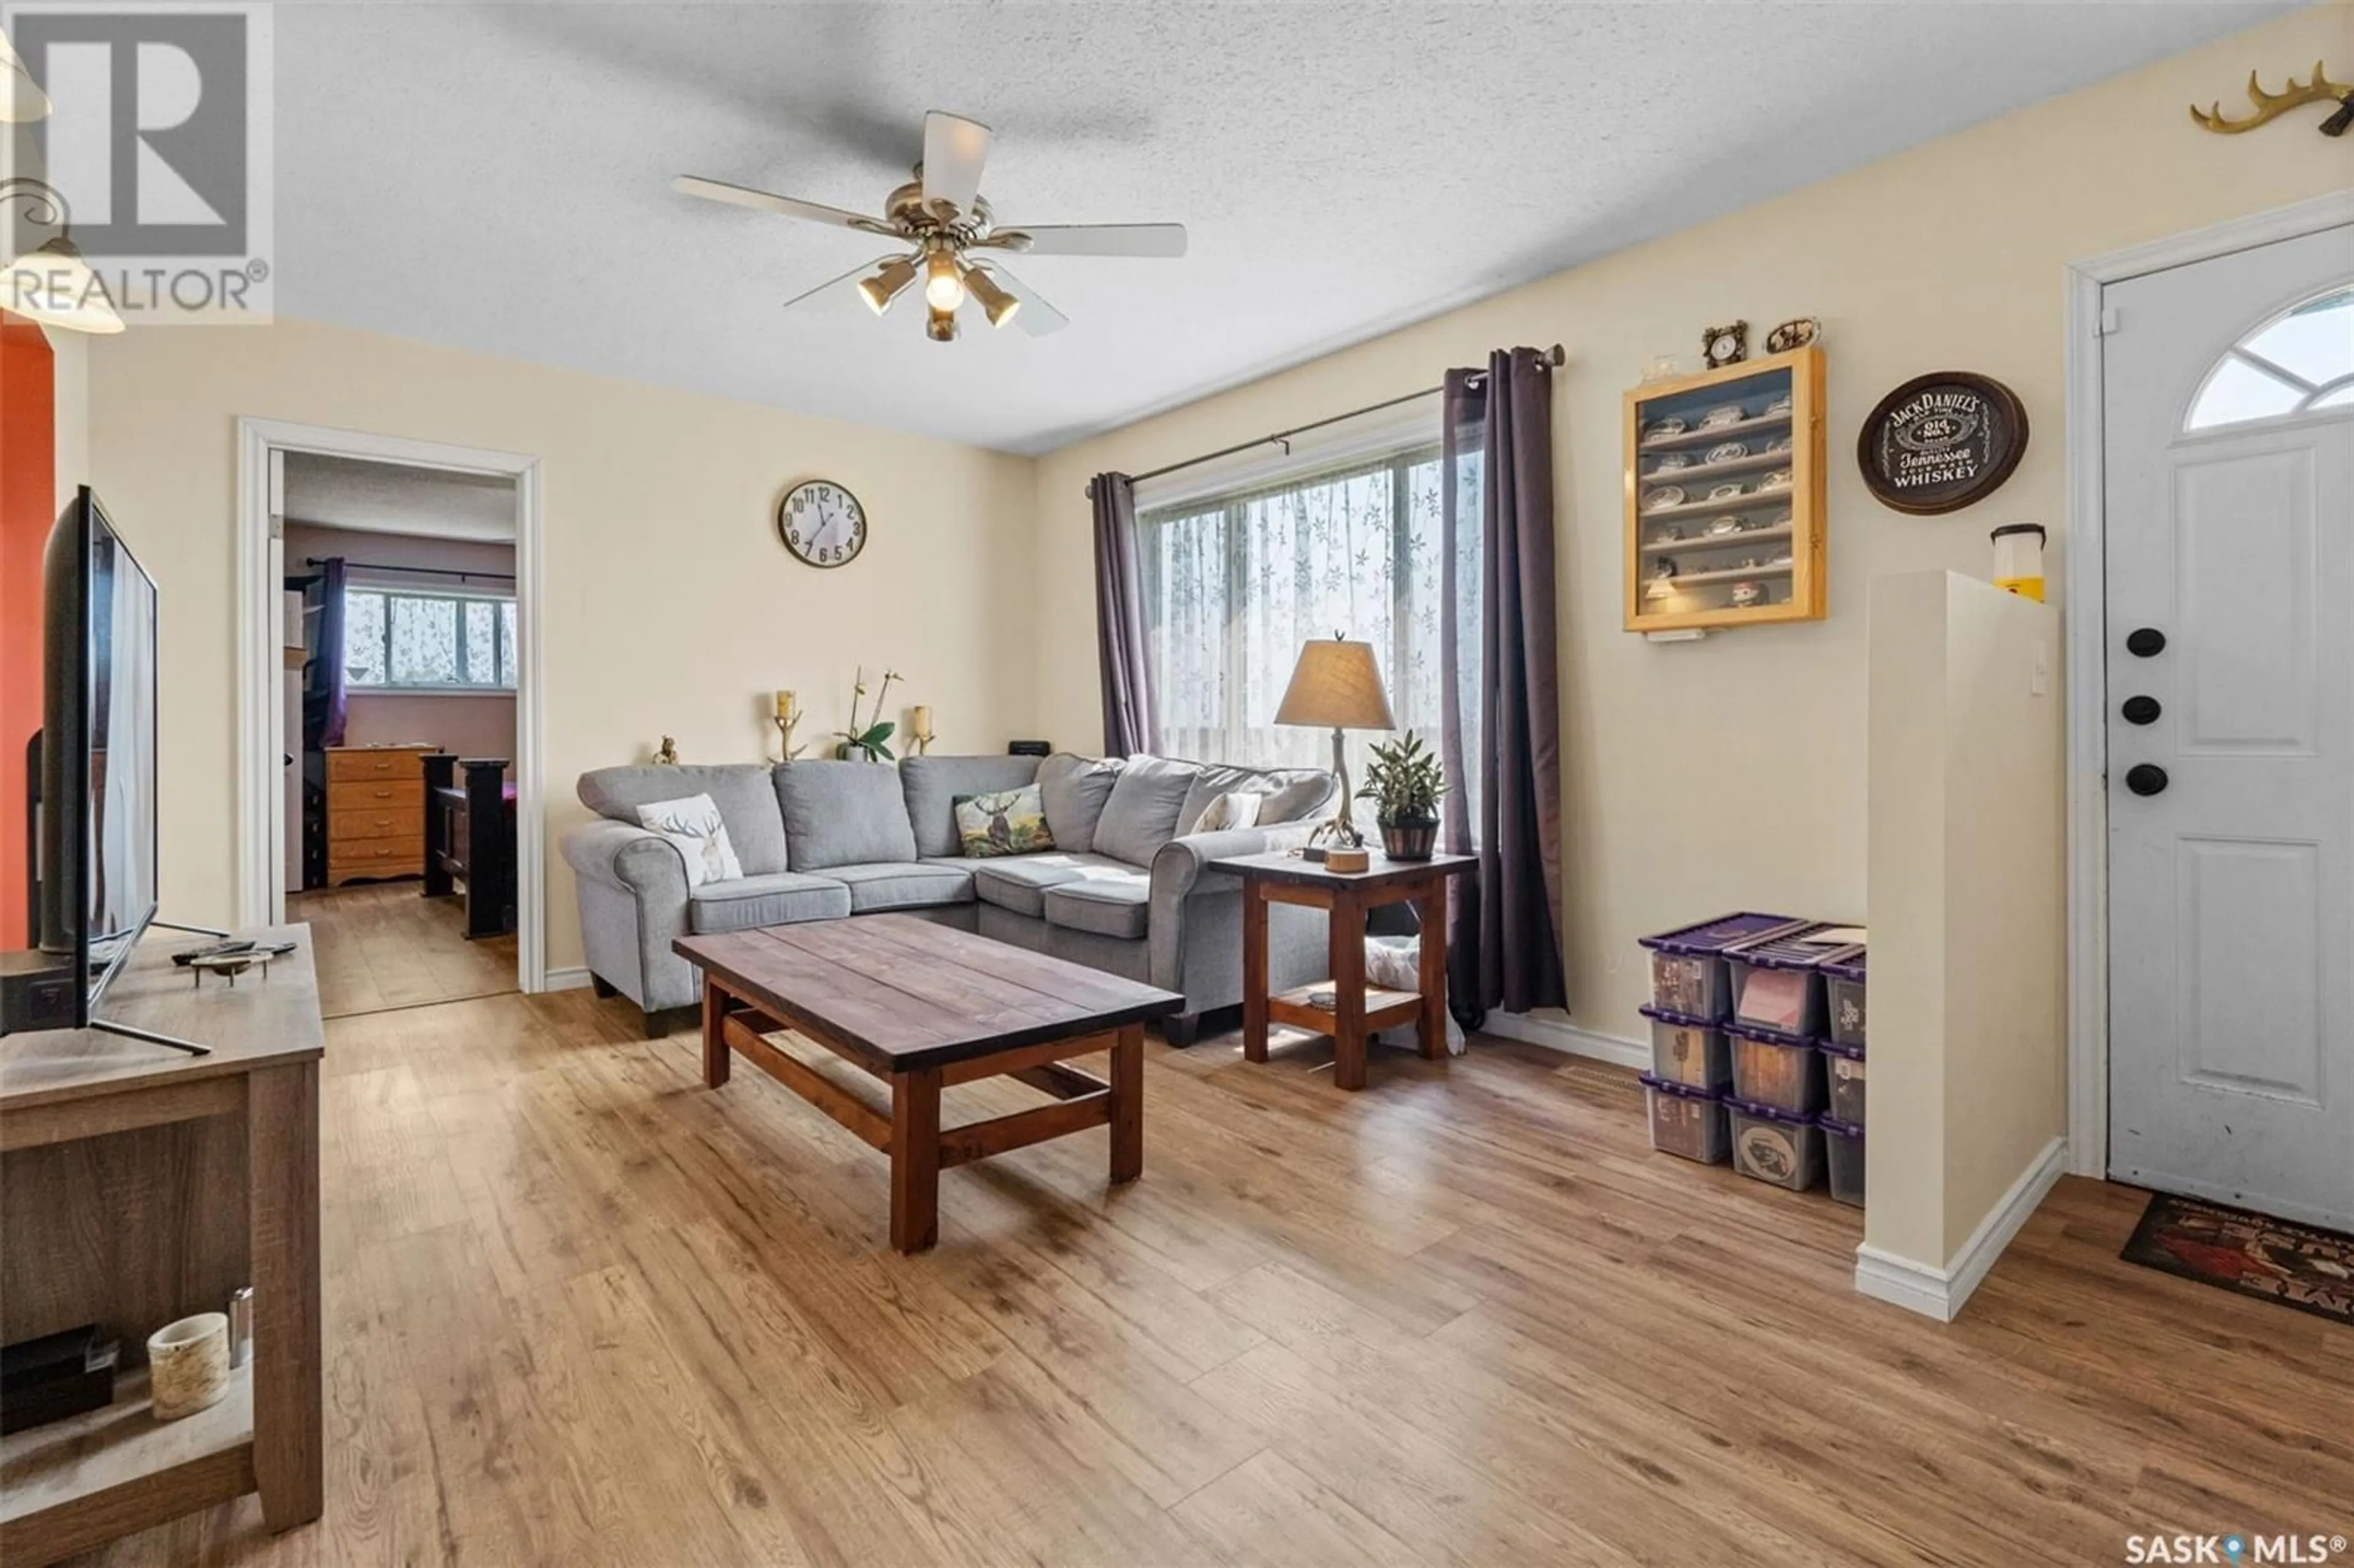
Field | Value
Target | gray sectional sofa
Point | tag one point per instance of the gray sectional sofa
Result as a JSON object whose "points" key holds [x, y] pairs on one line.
{"points": [[1126, 889]]}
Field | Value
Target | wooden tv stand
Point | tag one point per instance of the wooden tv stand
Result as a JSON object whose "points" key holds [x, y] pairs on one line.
{"points": [[137, 1185]]}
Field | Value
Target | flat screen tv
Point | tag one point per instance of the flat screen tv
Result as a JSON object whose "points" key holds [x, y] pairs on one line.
{"points": [[98, 745]]}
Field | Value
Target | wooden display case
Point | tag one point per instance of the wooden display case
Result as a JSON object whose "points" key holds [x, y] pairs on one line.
{"points": [[1719, 537]]}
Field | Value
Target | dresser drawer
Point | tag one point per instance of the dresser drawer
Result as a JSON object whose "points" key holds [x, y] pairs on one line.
{"points": [[365, 764], [391, 823], [377, 796], [376, 857]]}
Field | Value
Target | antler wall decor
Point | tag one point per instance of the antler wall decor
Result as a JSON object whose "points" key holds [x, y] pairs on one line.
{"points": [[2273, 105]]}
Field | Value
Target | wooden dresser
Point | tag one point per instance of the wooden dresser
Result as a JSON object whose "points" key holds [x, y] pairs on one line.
{"points": [[375, 811]]}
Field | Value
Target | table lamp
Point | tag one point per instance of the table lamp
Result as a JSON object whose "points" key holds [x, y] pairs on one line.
{"points": [[1336, 682]]}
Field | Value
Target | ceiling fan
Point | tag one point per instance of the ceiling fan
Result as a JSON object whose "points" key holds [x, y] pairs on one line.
{"points": [[953, 238]]}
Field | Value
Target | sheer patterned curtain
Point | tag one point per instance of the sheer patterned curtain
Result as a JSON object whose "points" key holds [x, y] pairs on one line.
{"points": [[1234, 584]]}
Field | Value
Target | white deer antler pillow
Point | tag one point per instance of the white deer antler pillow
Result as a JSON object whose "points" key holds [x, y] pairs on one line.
{"points": [[694, 825]]}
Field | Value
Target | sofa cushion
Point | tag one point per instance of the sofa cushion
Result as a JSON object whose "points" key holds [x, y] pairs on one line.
{"points": [[1075, 790], [1108, 906], [902, 884], [931, 785], [843, 813], [695, 827], [742, 791], [1019, 883], [1002, 822], [1283, 792], [1141, 814], [776, 898]]}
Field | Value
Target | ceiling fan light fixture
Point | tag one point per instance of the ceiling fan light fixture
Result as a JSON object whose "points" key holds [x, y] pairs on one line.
{"points": [[940, 326], [22, 101], [1000, 305], [943, 281], [889, 281]]}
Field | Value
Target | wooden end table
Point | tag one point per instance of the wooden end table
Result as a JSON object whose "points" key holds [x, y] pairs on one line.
{"points": [[1345, 895], [921, 1006]]}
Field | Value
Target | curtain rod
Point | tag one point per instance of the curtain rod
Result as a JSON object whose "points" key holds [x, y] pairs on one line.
{"points": [[1551, 358], [420, 571]]}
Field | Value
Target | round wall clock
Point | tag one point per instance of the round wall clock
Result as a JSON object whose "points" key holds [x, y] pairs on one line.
{"points": [[1940, 442], [821, 523]]}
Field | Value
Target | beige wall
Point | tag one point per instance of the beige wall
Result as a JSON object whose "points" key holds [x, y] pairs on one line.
{"points": [[1965, 842], [669, 604], [1729, 773]]}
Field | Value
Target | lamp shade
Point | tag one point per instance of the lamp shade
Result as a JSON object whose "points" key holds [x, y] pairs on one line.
{"points": [[55, 285], [1336, 685]]}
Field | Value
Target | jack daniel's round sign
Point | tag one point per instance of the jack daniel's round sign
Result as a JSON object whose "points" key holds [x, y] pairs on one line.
{"points": [[1939, 442]]}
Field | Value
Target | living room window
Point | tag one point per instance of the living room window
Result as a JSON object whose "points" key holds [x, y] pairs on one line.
{"points": [[1235, 582], [399, 640]]}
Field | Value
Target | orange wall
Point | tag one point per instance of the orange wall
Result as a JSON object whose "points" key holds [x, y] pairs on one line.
{"points": [[27, 508]]}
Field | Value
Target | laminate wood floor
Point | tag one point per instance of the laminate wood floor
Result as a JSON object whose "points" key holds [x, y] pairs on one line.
{"points": [[385, 944], [580, 1311]]}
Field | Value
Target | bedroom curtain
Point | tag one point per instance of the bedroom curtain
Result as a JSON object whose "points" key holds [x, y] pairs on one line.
{"points": [[1502, 714], [1128, 720], [330, 700]]}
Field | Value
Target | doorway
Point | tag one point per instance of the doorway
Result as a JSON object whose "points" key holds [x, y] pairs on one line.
{"points": [[2227, 683], [412, 527]]}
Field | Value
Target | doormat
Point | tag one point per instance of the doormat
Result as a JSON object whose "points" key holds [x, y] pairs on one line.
{"points": [[2297, 1266]]}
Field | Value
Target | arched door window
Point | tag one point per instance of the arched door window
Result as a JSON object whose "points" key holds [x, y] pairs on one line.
{"points": [[2300, 361]]}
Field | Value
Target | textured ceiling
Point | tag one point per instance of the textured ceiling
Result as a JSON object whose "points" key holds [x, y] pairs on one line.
{"points": [[495, 176], [392, 498]]}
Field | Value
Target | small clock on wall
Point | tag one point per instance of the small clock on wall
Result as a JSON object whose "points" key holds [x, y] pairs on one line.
{"points": [[821, 523]]}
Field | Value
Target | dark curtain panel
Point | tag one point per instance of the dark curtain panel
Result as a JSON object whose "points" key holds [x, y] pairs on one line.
{"points": [[1504, 943], [326, 701], [1130, 724]]}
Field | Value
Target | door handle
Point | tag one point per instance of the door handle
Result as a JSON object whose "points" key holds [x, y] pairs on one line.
{"points": [[2145, 642], [2140, 710], [2145, 779]]}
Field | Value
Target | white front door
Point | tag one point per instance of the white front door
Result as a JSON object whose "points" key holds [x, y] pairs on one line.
{"points": [[2228, 410]]}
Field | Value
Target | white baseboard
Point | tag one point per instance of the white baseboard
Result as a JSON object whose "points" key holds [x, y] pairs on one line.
{"points": [[1940, 1293], [574, 979], [1560, 1035]]}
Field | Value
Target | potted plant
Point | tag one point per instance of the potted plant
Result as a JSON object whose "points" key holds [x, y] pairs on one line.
{"points": [[867, 742], [1405, 781]]}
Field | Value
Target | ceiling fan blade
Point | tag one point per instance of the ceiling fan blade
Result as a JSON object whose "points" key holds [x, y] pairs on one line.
{"points": [[1098, 239], [844, 278], [954, 150], [1035, 317], [765, 201]]}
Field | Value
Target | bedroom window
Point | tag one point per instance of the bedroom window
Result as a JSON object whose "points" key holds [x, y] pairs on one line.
{"points": [[1235, 582], [395, 641]]}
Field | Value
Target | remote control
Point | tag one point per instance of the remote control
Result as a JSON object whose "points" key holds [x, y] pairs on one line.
{"points": [[211, 950]]}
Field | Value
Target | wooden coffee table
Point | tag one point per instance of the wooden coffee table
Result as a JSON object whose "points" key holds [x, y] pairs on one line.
{"points": [[1345, 895], [921, 1006]]}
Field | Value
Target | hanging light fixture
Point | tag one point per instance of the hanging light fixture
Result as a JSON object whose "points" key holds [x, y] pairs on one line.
{"points": [[21, 101], [941, 326], [889, 281], [1000, 305], [53, 284], [943, 280]]}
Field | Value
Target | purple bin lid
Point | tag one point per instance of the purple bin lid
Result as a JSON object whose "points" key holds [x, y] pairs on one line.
{"points": [[1682, 1019], [1846, 963], [1839, 1129], [1833, 1048], [1681, 1091], [1768, 1033], [1786, 949], [1711, 937], [1770, 1112]]}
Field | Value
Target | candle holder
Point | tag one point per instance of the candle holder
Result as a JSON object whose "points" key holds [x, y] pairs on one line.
{"points": [[784, 723], [922, 741]]}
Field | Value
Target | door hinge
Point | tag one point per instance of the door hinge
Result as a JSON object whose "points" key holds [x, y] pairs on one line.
{"points": [[2107, 326]]}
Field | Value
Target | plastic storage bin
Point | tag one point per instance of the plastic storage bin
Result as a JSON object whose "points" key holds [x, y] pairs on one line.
{"points": [[1843, 1066], [1689, 1051], [1688, 968], [1777, 980], [1770, 1068], [1686, 1122], [1843, 1152], [1844, 982], [1784, 1148]]}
